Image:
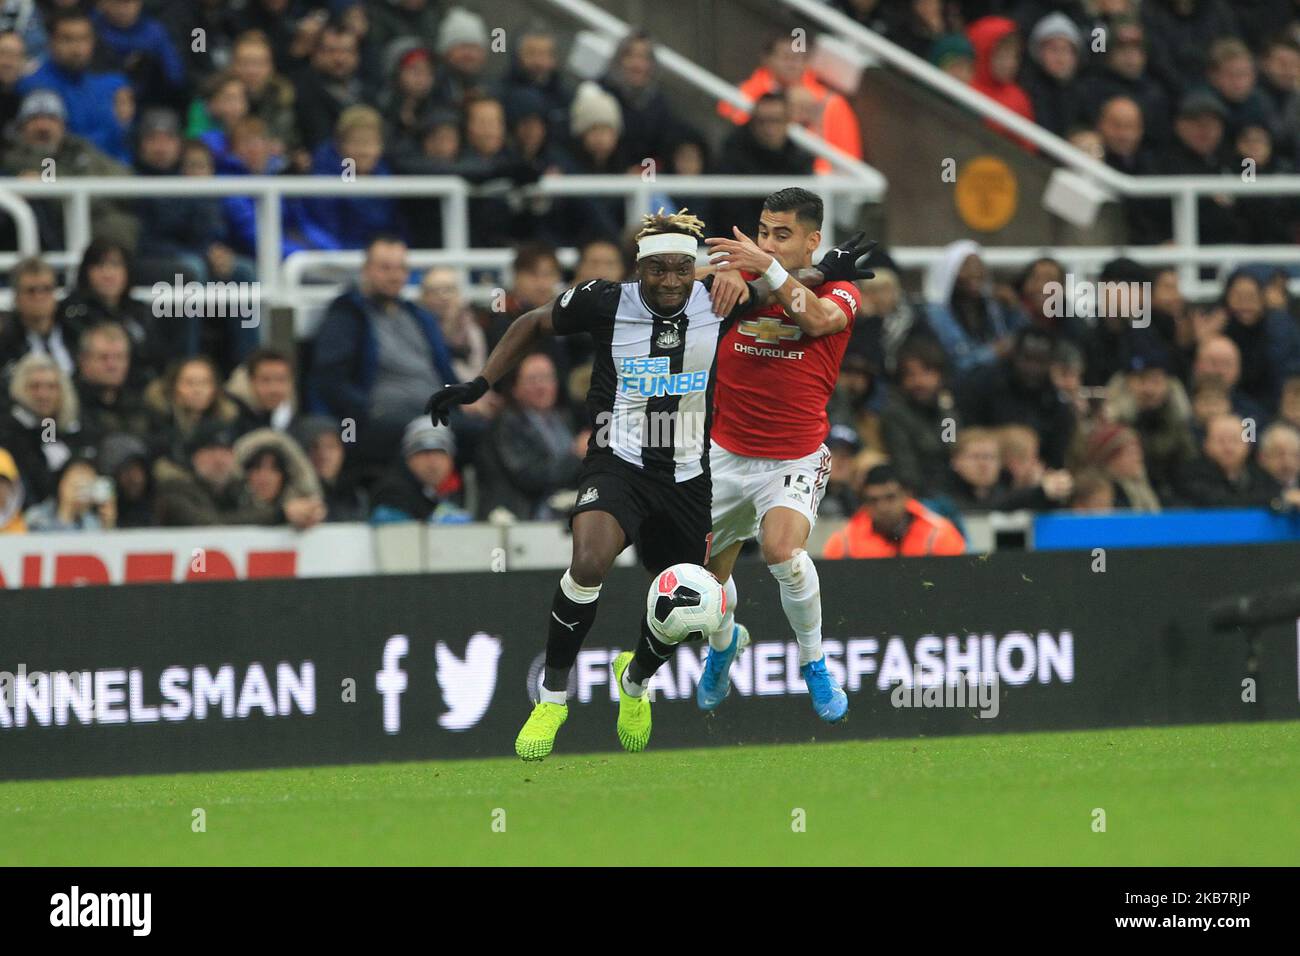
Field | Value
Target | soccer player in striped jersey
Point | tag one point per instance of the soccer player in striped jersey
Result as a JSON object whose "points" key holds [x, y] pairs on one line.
{"points": [[645, 478], [777, 368]]}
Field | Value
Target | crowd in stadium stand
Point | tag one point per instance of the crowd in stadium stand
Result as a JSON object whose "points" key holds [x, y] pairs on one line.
{"points": [[979, 395], [1186, 87]]}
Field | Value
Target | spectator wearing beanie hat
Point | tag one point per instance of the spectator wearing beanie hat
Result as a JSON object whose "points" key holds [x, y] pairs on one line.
{"points": [[407, 98], [526, 121], [462, 48], [596, 125], [1049, 76], [954, 54], [1155, 404], [1116, 450], [423, 484]]}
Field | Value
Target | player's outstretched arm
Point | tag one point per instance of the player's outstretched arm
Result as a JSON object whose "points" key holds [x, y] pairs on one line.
{"points": [[815, 316], [520, 339]]}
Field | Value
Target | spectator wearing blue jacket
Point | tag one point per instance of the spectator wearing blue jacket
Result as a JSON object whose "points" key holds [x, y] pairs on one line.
{"points": [[144, 50], [974, 328], [357, 149], [99, 105], [250, 155], [377, 356]]}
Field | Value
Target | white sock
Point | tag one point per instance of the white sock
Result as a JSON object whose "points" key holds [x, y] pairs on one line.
{"points": [[552, 696], [802, 600], [631, 687], [575, 592], [720, 639]]}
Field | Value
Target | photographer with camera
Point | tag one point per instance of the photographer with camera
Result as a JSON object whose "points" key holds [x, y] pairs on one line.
{"points": [[84, 501]]}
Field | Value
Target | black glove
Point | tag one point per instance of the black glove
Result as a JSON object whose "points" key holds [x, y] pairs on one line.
{"points": [[840, 264], [438, 408]]}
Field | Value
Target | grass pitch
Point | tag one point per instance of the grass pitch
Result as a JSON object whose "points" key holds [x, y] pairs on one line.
{"points": [[1195, 795]]}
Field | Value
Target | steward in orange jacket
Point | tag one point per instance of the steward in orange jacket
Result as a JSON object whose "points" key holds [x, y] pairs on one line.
{"points": [[891, 524]]}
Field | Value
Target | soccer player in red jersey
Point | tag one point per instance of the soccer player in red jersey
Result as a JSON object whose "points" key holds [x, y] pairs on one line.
{"points": [[776, 369]]}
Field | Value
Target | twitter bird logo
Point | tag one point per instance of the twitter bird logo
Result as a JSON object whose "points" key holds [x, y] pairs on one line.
{"points": [[467, 685]]}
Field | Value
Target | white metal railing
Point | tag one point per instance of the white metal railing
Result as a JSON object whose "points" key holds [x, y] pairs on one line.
{"points": [[714, 86], [267, 191], [1087, 260], [29, 240], [279, 280], [1183, 190]]}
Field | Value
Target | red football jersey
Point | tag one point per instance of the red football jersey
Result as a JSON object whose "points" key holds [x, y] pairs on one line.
{"points": [[774, 381]]}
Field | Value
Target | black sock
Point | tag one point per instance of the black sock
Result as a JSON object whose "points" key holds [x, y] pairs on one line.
{"points": [[651, 654], [563, 641]]}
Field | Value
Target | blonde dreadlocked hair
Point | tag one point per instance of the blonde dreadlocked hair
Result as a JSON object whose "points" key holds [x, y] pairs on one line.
{"points": [[681, 221]]}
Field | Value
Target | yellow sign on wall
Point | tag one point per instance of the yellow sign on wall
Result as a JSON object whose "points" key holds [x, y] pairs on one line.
{"points": [[985, 194]]}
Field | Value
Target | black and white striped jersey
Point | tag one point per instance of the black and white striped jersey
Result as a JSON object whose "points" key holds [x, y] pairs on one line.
{"points": [[651, 397]]}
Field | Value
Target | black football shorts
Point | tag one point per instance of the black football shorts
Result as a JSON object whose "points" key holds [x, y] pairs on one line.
{"points": [[669, 522]]}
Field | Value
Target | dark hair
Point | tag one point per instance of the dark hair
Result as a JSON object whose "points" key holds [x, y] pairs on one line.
{"points": [[260, 452], [689, 136], [1029, 270], [806, 205], [1237, 275], [335, 26], [924, 349], [775, 40], [385, 239], [263, 355], [193, 144], [55, 20], [96, 254], [881, 474], [530, 255], [599, 240], [1124, 269], [1279, 41], [173, 374]]}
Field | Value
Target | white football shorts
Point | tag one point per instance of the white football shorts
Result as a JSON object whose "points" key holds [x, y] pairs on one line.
{"points": [[745, 489]]}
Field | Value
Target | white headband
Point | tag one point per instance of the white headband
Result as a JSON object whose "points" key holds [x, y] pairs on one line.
{"points": [[668, 243]]}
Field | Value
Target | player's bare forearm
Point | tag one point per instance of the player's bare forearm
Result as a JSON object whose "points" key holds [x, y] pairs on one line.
{"points": [[521, 338], [762, 296], [809, 276], [814, 316]]}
